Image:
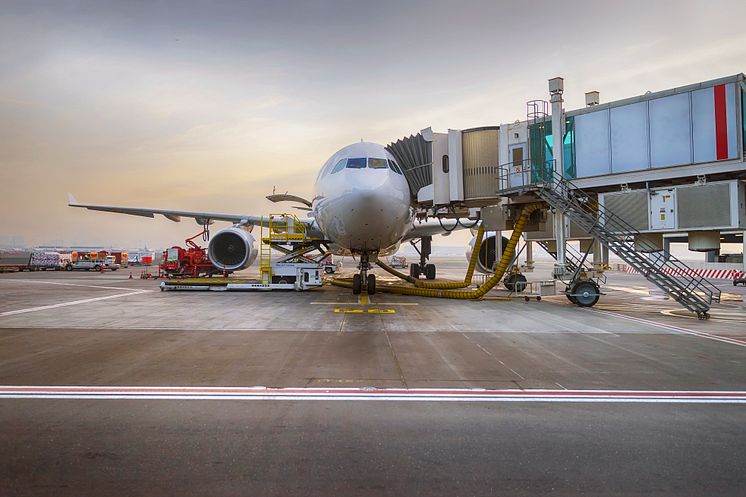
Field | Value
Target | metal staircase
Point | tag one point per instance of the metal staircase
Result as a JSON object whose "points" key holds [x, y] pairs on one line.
{"points": [[572, 258], [661, 268]]}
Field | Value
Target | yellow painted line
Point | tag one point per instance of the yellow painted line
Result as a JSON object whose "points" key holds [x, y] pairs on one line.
{"points": [[363, 311], [363, 299], [358, 303]]}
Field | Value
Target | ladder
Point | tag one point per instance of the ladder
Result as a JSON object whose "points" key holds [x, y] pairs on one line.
{"points": [[280, 229], [671, 275]]}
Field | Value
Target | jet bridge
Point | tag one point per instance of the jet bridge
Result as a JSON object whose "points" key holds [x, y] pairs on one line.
{"points": [[650, 161]]}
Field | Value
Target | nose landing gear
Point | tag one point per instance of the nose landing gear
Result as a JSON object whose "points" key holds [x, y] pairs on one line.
{"points": [[363, 279]]}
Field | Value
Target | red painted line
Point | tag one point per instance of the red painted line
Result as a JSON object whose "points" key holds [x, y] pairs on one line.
{"points": [[721, 123]]}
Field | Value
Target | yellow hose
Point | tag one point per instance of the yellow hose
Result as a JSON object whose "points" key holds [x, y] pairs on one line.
{"points": [[443, 284], [487, 285]]}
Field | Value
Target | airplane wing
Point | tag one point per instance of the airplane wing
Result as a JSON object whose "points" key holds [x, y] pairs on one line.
{"points": [[201, 218], [435, 227]]}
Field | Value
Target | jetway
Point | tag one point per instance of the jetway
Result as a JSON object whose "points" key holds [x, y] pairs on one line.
{"points": [[665, 162]]}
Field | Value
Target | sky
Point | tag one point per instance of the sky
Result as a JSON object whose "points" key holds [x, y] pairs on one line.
{"points": [[210, 106]]}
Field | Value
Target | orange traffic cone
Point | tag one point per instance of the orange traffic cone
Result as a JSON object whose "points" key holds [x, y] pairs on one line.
{"points": [[102, 269]]}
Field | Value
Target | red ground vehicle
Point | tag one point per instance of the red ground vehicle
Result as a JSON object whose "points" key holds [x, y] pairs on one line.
{"points": [[191, 262]]}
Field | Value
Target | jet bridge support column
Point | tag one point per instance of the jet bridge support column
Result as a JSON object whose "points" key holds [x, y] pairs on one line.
{"points": [[556, 87]]}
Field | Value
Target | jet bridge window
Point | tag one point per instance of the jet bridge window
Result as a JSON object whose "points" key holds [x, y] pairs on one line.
{"points": [[339, 166], [377, 163], [357, 163], [395, 167]]}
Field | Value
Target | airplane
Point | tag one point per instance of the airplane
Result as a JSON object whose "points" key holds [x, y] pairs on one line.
{"points": [[362, 206]]}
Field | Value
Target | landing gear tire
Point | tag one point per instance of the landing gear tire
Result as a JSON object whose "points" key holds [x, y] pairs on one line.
{"points": [[515, 282], [371, 284], [430, 271], [328, 270], [571, 298], [586, 293], [414, 271], [357, 285]]}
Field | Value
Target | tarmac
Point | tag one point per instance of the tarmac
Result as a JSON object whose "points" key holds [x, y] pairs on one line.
{"points": [[110, 386]]}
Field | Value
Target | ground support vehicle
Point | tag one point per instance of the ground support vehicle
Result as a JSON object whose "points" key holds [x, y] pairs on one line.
{"points": [[398, 261], [14, 260], [329, 266], [190, 262]]}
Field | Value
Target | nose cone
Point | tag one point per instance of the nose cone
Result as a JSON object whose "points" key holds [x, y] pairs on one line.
{"points": [[374, 216]]}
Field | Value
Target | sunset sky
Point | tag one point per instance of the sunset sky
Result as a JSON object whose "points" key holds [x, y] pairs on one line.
{"points": [[209, 105]]}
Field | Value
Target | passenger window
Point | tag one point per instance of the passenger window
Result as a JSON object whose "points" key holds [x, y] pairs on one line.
{"points": [[395, 167], [445, 164], [377, 163], [339, 166], [358, 163]]}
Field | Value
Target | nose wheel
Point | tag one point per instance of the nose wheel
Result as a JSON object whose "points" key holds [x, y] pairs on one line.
{"points": [[363, 279]]}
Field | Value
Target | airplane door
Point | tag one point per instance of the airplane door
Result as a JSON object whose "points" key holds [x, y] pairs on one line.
{"points": [[519, 172]]}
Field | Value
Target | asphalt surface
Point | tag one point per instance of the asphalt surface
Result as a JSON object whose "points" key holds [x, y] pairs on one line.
{"points": [[107, 331]]}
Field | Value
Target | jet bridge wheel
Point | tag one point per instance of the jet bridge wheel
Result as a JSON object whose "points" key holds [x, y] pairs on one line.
{"points": [[585, 293], [515, 282], [357, 285]]}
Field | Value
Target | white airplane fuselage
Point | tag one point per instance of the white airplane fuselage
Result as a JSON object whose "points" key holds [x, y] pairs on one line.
{"points": [[362, 202]]}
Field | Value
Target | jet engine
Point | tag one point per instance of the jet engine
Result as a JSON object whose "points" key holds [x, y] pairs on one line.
{"points": [[487, 251], [232, 249]]}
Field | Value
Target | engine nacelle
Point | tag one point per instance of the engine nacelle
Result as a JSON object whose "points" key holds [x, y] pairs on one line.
{"points": [[232, 249], [487, 252]]}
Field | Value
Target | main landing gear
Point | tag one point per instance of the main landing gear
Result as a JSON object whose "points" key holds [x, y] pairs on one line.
{"points": [[425, 249], [363, 279]]}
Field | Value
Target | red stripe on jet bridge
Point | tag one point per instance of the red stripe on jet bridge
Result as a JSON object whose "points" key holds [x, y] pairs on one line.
{"points": [[721, 123]]}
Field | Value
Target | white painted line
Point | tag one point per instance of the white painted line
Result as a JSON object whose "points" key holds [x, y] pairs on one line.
{"points": [[42, 282], [66, 304], [686, 331], [367, 393]]}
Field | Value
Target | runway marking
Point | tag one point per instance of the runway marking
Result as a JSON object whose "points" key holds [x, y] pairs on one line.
{"points": [[358, 303], [686, 331], [74, 302], [69, 284], [371, 393], [363, 311], [363, 299]]}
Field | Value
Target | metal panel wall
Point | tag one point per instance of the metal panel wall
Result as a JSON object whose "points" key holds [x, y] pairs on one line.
{"points": [[705, 206], [592, 144], [670, 131], [481, 160], [632, 207], [703, 125], [629, 138]]}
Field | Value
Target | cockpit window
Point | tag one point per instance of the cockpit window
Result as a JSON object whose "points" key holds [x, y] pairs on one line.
{"points": [[357, 163], [395, 167], [339, 166], [377, 163]]}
